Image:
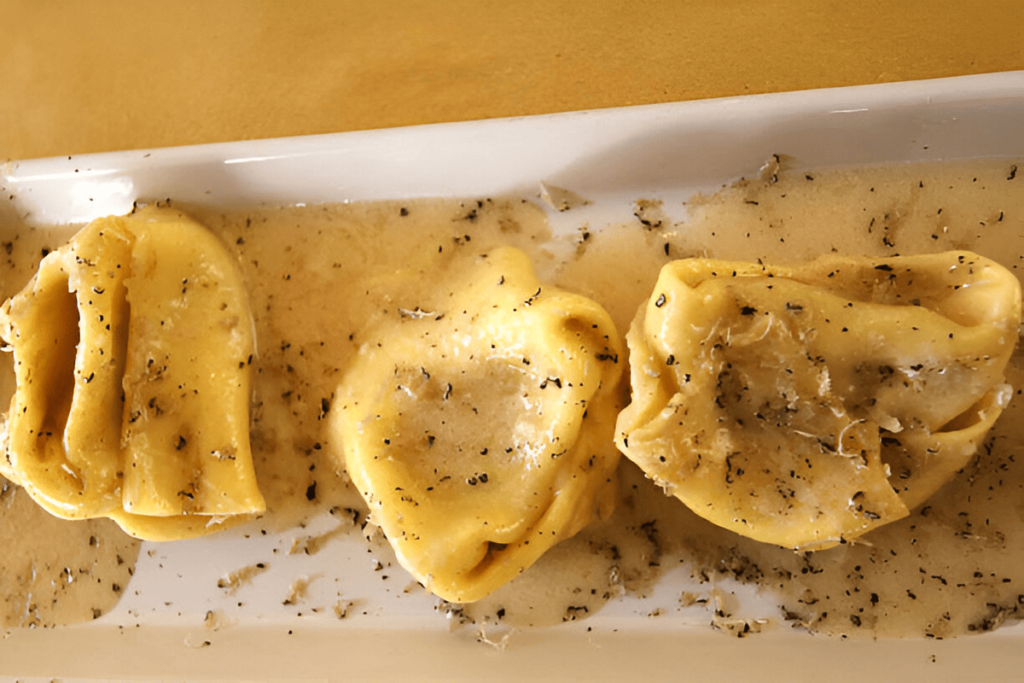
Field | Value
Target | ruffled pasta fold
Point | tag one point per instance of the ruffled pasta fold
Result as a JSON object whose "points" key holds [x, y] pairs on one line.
{"points": [[133, 347], [806, 406]]}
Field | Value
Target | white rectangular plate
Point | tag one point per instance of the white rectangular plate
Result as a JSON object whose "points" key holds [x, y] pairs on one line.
{"points": [[612, 157]]}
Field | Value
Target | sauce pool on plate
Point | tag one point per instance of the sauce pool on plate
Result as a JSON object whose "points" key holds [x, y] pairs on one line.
{"points": [[318, 276]]}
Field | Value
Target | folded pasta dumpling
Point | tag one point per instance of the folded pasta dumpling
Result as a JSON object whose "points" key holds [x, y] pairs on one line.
{"points": [[480, 432], [132, 351], [805, 406]]}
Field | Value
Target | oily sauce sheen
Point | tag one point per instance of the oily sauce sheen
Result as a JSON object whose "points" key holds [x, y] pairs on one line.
{"points": [[320, 275]]}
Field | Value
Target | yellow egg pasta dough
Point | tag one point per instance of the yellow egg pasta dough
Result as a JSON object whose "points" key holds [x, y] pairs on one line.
{"points": [[806, 406], [479, 428], [132, 351]]}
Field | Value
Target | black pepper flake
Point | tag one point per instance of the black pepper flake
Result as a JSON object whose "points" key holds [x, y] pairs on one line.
{"points": [[1013, 172], [181, 443], [748, 310], [311, 492], [660, 302], [325, 407]]}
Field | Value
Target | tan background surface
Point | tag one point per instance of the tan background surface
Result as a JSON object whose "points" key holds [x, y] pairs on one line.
{"points": [[94, 75]]}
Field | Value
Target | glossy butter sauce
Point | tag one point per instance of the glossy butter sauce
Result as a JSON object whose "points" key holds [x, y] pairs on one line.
{"points": [[320, 275]]}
